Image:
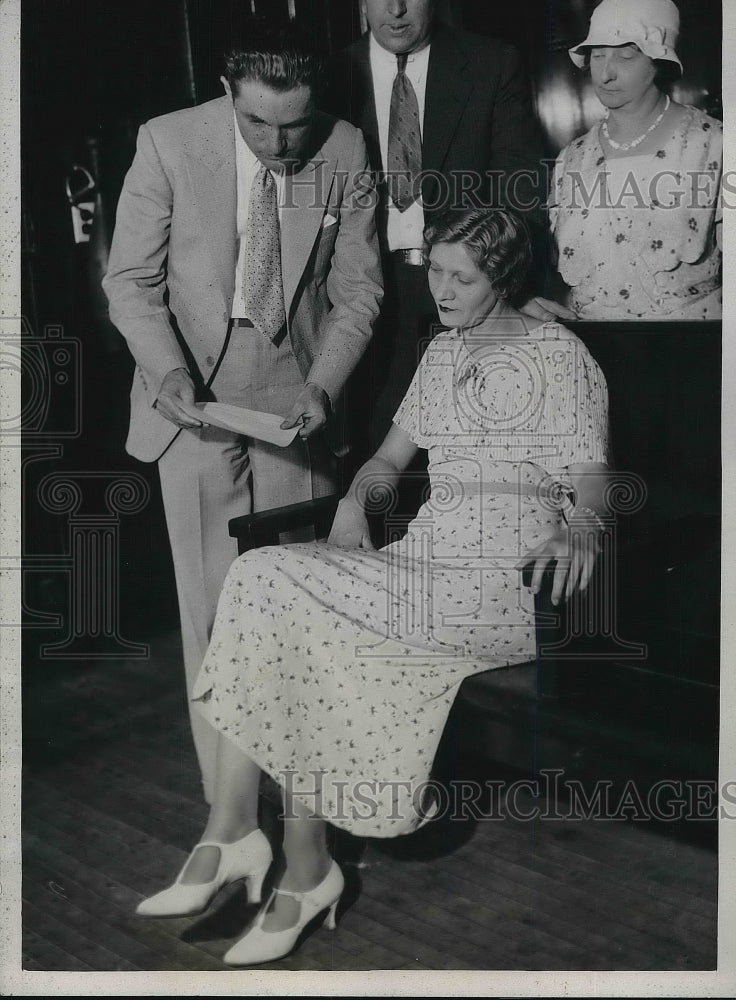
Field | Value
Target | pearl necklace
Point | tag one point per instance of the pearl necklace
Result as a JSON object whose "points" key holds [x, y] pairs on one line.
{"points": [[642, 137]]}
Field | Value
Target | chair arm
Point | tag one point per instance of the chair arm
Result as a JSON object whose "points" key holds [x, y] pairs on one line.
{"points": [[264, 526]]}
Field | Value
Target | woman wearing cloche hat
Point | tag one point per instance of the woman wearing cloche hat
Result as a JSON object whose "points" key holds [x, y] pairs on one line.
{"points": [[635, 203]]}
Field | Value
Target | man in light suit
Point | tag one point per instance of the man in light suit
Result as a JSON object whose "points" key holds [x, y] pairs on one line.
{"points": [[479, 143], [243, 269]]}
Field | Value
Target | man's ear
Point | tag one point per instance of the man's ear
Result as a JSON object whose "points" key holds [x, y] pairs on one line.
{"points": [[226, 85]]}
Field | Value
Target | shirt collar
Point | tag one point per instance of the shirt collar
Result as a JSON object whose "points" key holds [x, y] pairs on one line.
{"points": [[388, 59]]}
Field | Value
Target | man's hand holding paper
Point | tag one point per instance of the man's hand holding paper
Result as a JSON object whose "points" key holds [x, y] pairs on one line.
{"points": [[250, 423], [175, 400], [309, 411]]}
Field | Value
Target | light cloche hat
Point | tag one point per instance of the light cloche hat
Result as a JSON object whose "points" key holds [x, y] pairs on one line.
{"points": [[652, 25]]}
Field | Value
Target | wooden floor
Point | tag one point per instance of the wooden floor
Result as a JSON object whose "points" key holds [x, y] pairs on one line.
{"points": [[111, 806]]}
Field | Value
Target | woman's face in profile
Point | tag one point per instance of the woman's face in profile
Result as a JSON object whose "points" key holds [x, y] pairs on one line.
{"points": [[621, 74], [462, 292]]}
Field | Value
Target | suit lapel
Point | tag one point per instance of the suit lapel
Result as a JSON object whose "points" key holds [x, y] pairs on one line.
{"points": [[211, 159], [448, 90], [305, 197], [363, 101]]}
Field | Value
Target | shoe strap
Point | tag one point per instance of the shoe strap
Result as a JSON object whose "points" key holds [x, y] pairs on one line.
{"points": [[299, 896], [221, 844]]}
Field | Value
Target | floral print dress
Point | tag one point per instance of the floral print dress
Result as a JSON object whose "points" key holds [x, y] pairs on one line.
{"points": [[335, 669], [639, 236]]}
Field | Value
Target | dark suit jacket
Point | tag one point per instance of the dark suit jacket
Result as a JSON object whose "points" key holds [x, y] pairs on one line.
{"points": [[478, 116]]}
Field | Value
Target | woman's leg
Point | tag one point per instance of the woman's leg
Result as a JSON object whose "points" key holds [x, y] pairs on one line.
{"points": [[234, 809], [306, 862]]}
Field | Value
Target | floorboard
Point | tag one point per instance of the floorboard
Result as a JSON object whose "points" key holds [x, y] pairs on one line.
{"points": [[112, 805]]}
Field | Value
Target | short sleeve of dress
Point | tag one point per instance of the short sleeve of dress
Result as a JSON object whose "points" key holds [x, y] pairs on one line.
{"points": [[590, 442], [575, 402], [555, 192], [408, 415], [715, 162], [423, 411]]}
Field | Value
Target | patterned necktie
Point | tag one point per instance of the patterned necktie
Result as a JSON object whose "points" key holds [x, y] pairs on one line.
{"points": [[263, 286], [404, 161]]}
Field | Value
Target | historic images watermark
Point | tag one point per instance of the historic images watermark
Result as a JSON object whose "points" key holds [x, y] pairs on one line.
{"points": [[531, 190], [550, 797]]}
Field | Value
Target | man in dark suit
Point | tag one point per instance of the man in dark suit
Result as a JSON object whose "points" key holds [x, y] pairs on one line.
{"points": [[478, 142]]}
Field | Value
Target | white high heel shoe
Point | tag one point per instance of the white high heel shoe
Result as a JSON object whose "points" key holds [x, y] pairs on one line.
{"points": [[248, 858], [258, 945]]}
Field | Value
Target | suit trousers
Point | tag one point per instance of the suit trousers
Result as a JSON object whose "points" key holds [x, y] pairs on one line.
{"points": [[209, 475]]}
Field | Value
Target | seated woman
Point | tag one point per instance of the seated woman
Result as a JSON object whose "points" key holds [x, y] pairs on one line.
{"points": [[635, 204], [332, 666]]}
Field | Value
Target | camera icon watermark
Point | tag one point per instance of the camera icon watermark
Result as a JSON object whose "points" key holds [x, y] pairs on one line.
{"points": [[515, 390], [49, 369]]}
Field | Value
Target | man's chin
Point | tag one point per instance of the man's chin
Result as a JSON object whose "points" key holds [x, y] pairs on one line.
{"points": [[397, 42]]}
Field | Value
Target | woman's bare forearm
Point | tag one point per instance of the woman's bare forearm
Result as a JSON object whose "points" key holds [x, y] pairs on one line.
{"points": [[375, 476], [382, 472]]}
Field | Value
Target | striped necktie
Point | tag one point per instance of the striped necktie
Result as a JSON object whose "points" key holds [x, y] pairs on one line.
{"points": [[404, 160]]}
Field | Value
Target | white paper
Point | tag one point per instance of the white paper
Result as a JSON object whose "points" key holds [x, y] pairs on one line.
{"points": [[251, 423]]}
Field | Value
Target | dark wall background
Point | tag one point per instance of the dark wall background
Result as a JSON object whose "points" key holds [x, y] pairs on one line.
{"points": [[92, 71]]}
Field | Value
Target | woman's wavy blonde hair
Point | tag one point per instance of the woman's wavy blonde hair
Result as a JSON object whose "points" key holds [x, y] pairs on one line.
{"points": [[497, 239]]}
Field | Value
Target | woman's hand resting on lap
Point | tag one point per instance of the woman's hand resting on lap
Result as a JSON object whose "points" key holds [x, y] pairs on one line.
{"points": [[350, 527], [574, 551]]}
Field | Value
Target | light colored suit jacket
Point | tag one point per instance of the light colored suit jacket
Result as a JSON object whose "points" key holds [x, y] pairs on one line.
{"points": [[170, 278]]}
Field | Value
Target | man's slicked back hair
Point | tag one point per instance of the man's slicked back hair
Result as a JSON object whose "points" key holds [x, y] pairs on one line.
{"points": [[280, 54]]}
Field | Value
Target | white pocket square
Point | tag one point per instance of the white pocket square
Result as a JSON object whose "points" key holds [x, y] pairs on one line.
{"points": [[329, 220]]}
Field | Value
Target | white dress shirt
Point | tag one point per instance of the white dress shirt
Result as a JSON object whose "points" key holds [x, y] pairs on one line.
{"points": [[404, 228], [247, 166]]}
